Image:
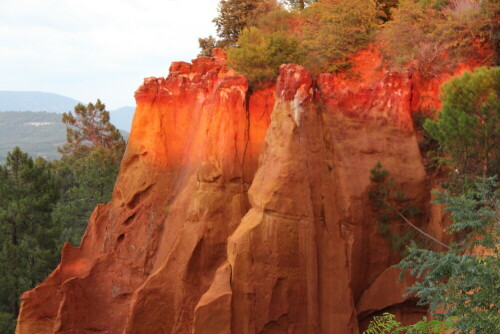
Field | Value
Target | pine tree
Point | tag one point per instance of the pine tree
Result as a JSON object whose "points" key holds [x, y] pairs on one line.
{"points": [[29, 238], [88, 169], [462, 283], [234, 16], [89, 127], [86, 182], [468, 125]]}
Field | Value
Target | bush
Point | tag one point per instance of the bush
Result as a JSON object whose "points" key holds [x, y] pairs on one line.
{"points": [[434, 36], [335, 29], [320, 37], [260, 54]]}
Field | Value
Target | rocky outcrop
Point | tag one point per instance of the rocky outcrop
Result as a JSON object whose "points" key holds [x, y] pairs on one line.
{"points": [[240, 211]]}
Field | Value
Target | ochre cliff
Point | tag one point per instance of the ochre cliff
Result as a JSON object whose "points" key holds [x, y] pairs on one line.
{"points": [[239, 211]]}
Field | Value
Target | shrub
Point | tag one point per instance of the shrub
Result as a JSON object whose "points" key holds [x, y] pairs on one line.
{"points": [[334, 29], [434, 36], [260, 54], [320, 37]]}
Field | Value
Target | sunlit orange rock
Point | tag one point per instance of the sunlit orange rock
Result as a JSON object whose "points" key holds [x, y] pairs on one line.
{"points": [[240, 211]]}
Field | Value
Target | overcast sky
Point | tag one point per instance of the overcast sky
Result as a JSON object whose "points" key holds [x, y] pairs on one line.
{"points": [[89, 49]]}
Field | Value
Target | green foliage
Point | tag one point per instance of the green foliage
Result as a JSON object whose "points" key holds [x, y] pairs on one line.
{"points": [[387, 323], [7, 323], [260, 54], [434, 36], [29, 238], [85, 182], [88, 169], [207, 45], [335, 29], [467, 127], [320, 37], [463, 282], [88, 128], [234, 16], [391, 205], [43, 204]]}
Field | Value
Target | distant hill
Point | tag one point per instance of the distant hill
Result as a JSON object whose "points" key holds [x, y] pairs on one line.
{"points": [[37, 133], [122, 117], [55, 103], [35, 101]]}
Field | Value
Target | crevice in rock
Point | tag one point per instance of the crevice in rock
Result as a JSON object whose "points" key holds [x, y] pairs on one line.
{"points": [[136, 199], [247, 129]]}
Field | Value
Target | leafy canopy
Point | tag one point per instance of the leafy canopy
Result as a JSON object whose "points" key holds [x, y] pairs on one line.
{"points": [[89, 127], [320, 37], [333, 30], [29, 237], [85, 182], [390, 204], [88, 169], [463, 282], [432, 36], [468, 125], [387, 324], [234, 16], [260, 55]]}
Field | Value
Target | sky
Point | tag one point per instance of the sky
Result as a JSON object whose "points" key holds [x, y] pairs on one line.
{"points": [[90, 49]]}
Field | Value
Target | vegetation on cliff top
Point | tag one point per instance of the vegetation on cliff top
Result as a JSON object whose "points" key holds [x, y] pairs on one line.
{"points": [[428, 36]]}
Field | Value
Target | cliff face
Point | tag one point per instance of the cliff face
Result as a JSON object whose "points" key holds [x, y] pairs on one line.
{"points": [[246, 212]]}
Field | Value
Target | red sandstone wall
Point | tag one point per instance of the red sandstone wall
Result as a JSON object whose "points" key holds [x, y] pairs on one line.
{"points": [[245, 213]]}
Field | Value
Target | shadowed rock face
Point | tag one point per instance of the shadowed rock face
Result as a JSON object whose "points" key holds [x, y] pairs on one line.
{"points": [[246, 212]]}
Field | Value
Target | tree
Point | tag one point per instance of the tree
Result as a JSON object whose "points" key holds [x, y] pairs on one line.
{"points": [[462, 283], [86, 182], [234, 16], [88, 128], [333, 30], [434, 36], [29, 238], [468, 124], [260, 55], [391, 204], [88, 168], [320, 37], [207, 45]]}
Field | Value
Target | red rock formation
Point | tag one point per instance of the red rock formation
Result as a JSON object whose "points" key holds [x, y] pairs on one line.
{"points": [[239, 212]]}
